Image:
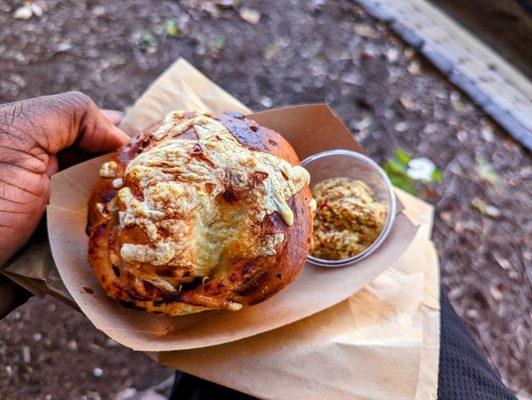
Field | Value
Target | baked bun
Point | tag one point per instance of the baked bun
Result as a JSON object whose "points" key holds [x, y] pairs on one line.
{"points": [[201, 212]]}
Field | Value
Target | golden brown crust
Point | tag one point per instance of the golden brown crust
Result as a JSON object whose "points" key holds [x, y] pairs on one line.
{"points": [[244, 280]]}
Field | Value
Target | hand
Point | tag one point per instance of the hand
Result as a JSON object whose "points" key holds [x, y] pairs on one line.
{"points": [[32, 133]]}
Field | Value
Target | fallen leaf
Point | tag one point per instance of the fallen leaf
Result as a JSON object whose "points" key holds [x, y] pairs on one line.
{"points": [[209, 8], [485, 209], [401, 126], [392, 54], [462, 135], [24, 12], [364, 123], [364, 30], [266, 101], [502, 261], [396, 171], [404, 183], [485, 170], [225, 3], [402, 156], [271, 50], [218, 42], [414, 68], [389, 113], [250, 15], [495, 293], [172, 29], [63, 46], [99, 11], [406, 103], [447, 218], [458, 106], [395, 167], [437, 176], [441, 94], [487, 134]]}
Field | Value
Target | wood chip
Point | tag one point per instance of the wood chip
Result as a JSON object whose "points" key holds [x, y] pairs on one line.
{"points": [[250, 15]]}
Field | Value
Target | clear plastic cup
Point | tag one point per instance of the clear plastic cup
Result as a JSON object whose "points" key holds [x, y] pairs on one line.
{"points": [[353, 165]]}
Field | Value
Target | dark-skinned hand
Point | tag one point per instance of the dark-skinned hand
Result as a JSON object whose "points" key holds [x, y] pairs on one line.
{"points": [[33, 135]]}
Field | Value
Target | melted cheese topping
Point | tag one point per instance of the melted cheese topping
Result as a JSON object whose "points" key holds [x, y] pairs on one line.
{"points": [[117, 183], [203, 199], [109, 169]]}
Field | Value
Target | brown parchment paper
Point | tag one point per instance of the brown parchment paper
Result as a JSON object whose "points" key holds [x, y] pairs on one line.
{"points": [[315, 290]]}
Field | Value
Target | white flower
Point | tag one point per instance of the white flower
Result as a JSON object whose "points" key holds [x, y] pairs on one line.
{"points": [[421, 169]]}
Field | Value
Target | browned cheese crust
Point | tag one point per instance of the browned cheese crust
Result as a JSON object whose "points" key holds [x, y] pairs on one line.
{"points": [[173, 288]]}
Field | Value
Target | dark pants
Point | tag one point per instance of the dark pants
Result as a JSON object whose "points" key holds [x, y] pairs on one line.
{"points": [[463, 372]]}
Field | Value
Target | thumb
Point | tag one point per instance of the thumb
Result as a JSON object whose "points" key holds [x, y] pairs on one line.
{"points": [[92, 131], [60, 121]]}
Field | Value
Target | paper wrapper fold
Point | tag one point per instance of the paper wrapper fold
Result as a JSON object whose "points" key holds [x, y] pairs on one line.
{"points": [[380, 343]]}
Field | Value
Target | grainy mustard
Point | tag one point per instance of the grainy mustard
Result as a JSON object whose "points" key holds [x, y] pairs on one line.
{"points": [[348, 218]]}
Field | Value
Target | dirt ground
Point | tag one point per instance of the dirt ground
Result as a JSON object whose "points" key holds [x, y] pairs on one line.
{"points": [[298, 52]]}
